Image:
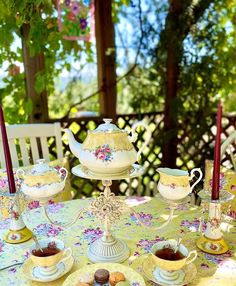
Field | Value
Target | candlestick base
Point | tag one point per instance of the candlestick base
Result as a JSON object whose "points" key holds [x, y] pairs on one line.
{"points": [[18, 232], [212, 246], [18, 236], [212, 240]]}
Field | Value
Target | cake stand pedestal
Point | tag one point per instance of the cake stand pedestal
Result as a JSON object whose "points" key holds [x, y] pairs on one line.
{"points": [[108, 208]]}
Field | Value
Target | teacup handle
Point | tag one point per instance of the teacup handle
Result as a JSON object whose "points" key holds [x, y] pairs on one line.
{"points": [[67, 252], [134, 136], [20, 173], [189, 260], [192, 175]]}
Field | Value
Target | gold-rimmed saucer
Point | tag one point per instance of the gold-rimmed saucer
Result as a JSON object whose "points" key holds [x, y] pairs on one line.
{"points": [[30, 270], [134, 170], [217, 246], [145, 265]]}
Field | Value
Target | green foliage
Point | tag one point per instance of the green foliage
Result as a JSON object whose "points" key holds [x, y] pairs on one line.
{"points": [[207, 69], [138, 92], [75, 91], [44, 37]]}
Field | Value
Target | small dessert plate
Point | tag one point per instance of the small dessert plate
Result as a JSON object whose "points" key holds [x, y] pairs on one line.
{"points": [[131, 275], [149, 268], [32, 272]]}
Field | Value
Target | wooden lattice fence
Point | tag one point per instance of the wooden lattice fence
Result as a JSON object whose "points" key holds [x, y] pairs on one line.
{"points": [[195, 144]]}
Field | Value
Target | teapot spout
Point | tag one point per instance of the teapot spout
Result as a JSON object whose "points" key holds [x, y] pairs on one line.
{"points": [[75, 146]]}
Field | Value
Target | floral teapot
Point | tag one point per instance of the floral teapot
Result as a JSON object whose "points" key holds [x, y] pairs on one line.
{"points": [[108, 149], [174, 184]]}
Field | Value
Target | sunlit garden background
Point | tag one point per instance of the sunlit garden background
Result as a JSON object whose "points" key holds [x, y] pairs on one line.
{"points": [[166, 62]]}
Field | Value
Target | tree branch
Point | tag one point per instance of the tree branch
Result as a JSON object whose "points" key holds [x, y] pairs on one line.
{"points": [[125, 74], [195, 14]]}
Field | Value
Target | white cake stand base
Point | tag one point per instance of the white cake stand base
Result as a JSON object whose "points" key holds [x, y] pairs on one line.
{"points": [[108, 249], [108, 208]]}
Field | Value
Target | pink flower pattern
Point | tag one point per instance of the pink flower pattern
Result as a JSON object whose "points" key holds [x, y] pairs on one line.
{"points": [[75, 8], [33, 205], [103, 153]]}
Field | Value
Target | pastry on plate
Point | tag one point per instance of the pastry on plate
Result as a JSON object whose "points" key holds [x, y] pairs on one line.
{"points": [[116, 277], [87, 278]]}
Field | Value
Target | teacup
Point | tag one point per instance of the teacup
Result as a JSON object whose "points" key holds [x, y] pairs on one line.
{"points": [[48, 264], [170, 270]]}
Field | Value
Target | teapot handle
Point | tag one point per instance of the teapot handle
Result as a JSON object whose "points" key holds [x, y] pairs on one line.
{"points": [[134, 136], [192, 175]]}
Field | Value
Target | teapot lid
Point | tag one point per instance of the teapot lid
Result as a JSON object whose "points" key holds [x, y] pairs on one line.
{"points": [[107, 127], [41, 167]]}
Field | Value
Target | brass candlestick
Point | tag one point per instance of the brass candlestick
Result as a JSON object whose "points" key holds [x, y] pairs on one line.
{"points": [[18, 232], [212, 241]]}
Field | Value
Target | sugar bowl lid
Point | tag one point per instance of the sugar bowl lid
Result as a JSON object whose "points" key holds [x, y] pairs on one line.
{"points": [[107, 127], [41, 167]]}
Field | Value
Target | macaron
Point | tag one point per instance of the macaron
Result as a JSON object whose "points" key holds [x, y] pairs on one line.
{"points": [[116, 277], [101, 276]]}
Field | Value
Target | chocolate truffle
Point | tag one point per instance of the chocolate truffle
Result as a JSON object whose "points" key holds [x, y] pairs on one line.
{"points": [[116, 277], [101, 276]]}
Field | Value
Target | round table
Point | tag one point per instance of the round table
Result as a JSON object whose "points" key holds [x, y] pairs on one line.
{"points": [[212, 269]]}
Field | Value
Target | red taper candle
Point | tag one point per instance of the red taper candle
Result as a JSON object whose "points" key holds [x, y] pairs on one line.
{"points": [[7, 154], [217, 159]]}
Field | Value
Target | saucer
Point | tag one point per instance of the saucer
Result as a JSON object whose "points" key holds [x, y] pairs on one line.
{"points": [[135, 170], [32, 272], [217, 246], [148, 267]]}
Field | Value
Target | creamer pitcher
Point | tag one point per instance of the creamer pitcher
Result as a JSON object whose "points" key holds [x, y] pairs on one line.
{"points": [[174, 183]]}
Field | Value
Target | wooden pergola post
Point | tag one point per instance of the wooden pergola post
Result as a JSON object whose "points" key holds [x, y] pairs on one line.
{"points": [[106, 57], [33, 65]]}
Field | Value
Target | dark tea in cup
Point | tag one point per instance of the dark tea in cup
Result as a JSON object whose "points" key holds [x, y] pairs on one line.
{"points": [[169, 253], [50, 250]]}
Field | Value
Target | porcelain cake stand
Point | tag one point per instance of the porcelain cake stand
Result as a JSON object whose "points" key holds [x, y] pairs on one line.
{"points": [[108, 209]]}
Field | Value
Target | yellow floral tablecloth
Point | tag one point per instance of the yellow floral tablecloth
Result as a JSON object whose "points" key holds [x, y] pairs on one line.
{"points": [[212, 270]]}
